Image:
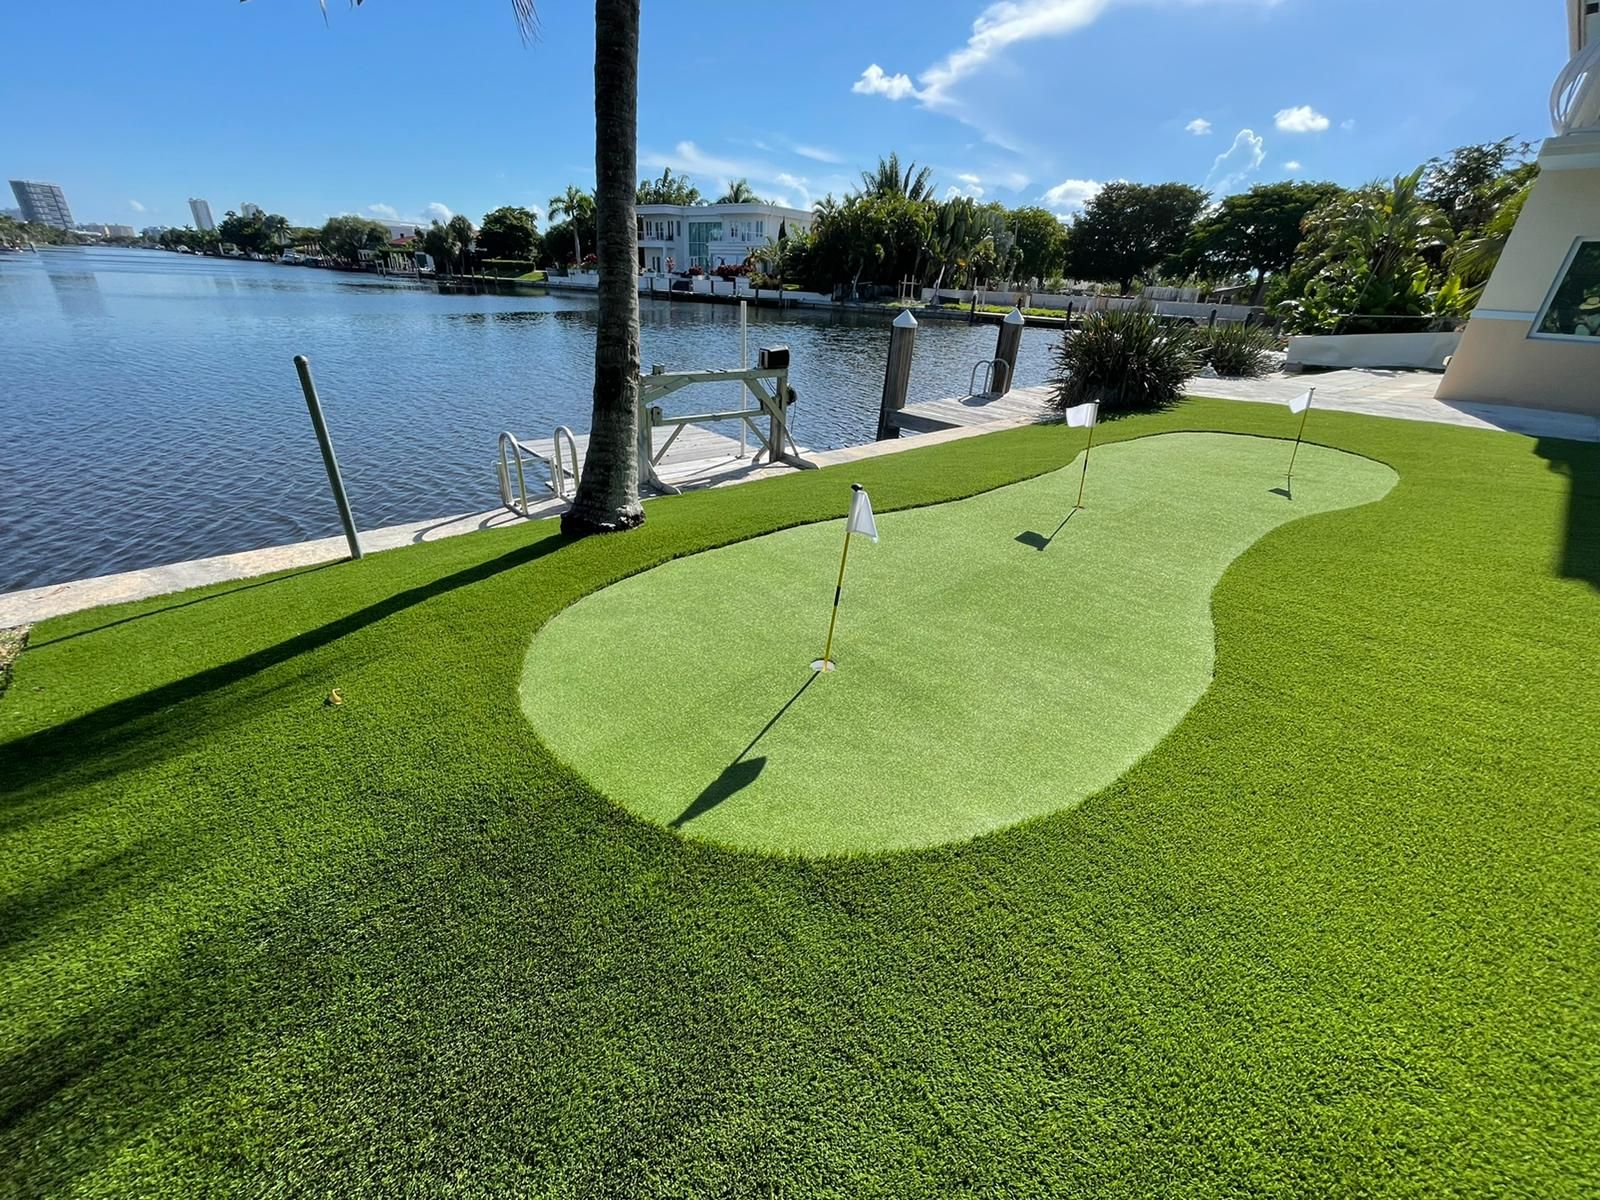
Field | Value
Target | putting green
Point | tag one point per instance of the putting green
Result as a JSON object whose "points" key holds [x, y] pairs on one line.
{"points": [[988, 671]]}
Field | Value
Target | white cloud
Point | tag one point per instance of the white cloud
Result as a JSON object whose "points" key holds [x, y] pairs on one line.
{"points": [[386, 212], [1237, 163], [1303, 119], [1292, 165], [1070, 195], [793, 184], [1001, 25], [1348, 124], [437, 212], [969, 177], [971, 189], [135, 205], [1200, 127], [874, 82], [819, 154]]}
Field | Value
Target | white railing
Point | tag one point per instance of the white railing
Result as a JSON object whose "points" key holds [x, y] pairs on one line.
{"points": [[1575, 99]]}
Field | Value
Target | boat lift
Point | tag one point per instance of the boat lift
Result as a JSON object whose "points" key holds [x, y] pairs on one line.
{"points": [[699, 452]]}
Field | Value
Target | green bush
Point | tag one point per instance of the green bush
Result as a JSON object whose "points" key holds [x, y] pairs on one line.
{"points": [[1126, 360], [1238, 351]]}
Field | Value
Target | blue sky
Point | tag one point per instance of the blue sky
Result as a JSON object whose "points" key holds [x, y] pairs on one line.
{"points": [[408, 108]]}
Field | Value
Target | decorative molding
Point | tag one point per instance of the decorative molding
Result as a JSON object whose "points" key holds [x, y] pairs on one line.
{"points": [[1501, 314]]}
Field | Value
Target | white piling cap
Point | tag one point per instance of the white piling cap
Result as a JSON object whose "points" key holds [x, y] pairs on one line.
{"points": [[905, 320], [1015, 317]]}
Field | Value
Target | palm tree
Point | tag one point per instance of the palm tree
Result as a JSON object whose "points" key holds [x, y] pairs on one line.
{"points": [[888, 180], [276, 229], [1475, 259], [608, 491], [607, 498], [574, 206], [739, 192], [464, 233]]}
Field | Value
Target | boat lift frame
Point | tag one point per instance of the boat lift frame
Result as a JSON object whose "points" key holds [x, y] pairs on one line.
{"points": [[777, 442], [769, 386]]}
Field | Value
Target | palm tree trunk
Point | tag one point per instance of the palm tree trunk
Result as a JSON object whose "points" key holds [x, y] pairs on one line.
{"points": [[608, 491]]}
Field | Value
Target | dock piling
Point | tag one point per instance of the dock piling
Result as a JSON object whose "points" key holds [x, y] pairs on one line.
{"points": [[1006, 348], [335, 481], [896, 374]]}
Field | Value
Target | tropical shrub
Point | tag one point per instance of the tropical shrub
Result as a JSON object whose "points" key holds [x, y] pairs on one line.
{"points": [[1237, 351], [1372, 262], [1127, 360]]}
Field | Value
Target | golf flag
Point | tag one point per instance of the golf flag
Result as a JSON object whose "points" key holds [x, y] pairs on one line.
{"points": [[1300, 404], [1084, 416], [861, 518]]}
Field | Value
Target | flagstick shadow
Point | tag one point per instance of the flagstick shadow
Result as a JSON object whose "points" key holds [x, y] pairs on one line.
{"points": [[741, 772], [1037, 540]]}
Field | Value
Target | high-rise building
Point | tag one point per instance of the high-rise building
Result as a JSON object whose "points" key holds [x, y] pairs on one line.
{"points": [[249, 210], [42, 202], [202, 215]]}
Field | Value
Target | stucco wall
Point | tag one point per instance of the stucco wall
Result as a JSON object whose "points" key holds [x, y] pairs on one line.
{"points": [[1498, 362]]}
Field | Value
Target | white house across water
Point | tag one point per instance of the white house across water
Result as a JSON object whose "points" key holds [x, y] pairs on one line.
{"points": [[675, 237]]}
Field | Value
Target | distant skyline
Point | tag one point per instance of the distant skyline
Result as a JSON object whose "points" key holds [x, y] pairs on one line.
{"points": [[411, 110]]}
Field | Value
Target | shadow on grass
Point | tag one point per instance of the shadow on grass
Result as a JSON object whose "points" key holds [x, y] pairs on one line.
{"points": [[741, 772], [1580, 546], [142, 729], [1038, 540], [156, 612]]}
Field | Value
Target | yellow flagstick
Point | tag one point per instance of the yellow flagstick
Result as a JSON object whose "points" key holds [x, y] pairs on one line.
{"points": [[1299, 433], [1084, 477], [825, 663]]}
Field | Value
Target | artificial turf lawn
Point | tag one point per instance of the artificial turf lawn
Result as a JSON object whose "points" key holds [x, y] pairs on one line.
{"points": [[990, 672], [1335, 936]]}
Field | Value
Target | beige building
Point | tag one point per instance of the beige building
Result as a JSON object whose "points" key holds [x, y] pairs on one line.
{"points": [[1534, 339]]}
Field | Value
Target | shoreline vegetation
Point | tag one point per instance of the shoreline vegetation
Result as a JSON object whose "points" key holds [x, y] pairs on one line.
{"points": [[1409, 254]]}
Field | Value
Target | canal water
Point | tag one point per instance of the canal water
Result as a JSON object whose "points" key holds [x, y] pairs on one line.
{"points": [[150, 410]]}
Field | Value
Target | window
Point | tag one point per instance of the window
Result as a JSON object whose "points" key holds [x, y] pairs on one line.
{"points": [[1573, 309], [701, 234]]}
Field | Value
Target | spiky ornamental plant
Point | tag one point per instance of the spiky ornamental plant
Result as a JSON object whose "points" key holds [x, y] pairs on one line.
{"points": [[1127, 360]]}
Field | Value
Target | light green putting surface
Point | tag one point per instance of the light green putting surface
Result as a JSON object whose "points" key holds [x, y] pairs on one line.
{"points": [[982, 679]]}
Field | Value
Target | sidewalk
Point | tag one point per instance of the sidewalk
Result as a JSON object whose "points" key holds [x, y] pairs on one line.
{"points": [[1405, 395]]}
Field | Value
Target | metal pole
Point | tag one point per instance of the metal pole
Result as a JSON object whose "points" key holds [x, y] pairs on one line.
{"points": [[1084, 478], [1299, 433], [744, 365], [314, 406]]}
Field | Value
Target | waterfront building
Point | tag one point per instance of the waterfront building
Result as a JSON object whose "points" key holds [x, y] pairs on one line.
{"points": [[120, 231], [675, 237], [1534, 338], [249, 210], [202, 215], [44, 203]]}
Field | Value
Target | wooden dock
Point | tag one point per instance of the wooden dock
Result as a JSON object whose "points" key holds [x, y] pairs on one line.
{"points": [[698, 457], [1020, 406]]}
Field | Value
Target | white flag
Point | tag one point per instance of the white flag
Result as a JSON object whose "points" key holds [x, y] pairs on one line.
{"points": [[861, 519], [1083, 416], [1300, 403]]}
